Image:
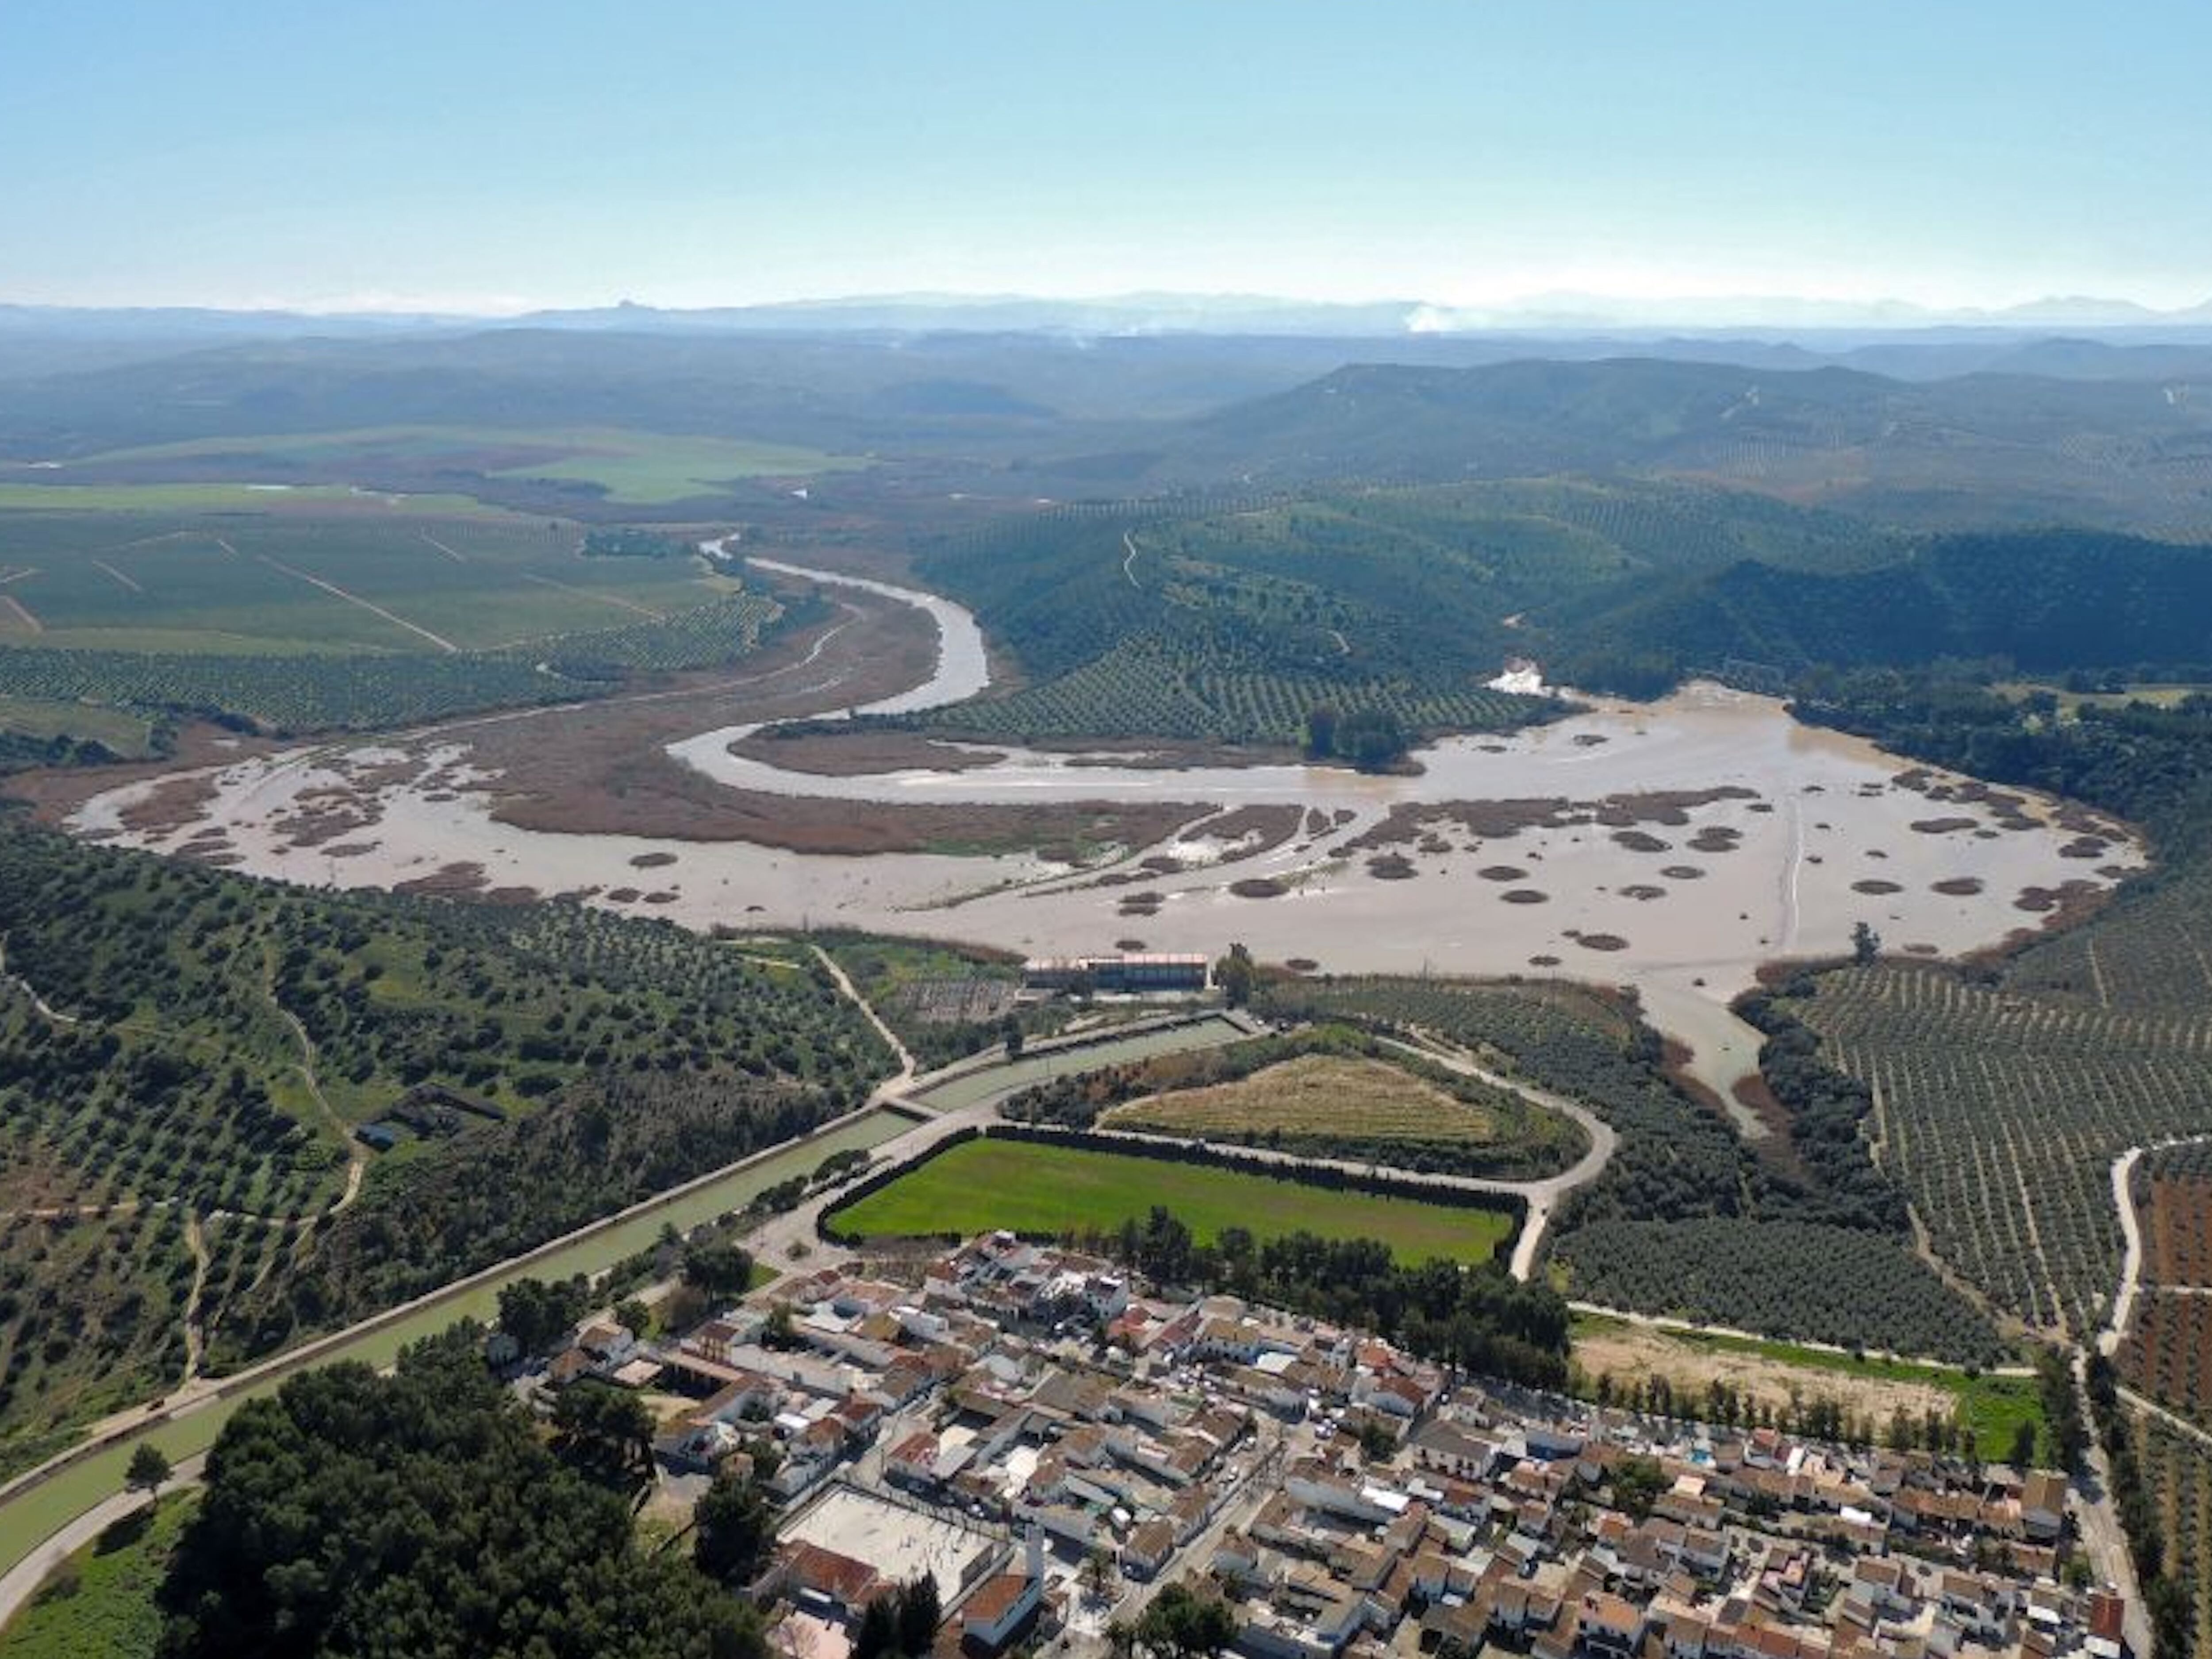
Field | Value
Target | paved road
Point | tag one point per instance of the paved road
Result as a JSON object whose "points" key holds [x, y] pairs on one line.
{"points": [[2102, 1536], [1544, 1196], [773, 1242], [21, 1581]]}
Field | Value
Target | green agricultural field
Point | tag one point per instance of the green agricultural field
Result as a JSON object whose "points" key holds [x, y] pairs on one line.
{"points": [[630, 467], [313, 620], [222, 497], [2003, 1110], [300, 580], [121, 732], [99, 1604], [983, 1185], [648, 469], [335, 691]]}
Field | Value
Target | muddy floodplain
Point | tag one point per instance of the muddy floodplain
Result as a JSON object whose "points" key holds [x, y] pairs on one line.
{"points": [[1676, 846]]}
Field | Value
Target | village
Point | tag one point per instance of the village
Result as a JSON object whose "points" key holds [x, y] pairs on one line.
{"points": [[1056, 1447]]}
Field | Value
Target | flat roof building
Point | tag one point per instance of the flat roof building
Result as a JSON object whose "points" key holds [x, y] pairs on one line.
{"points": [[1145, 971]]}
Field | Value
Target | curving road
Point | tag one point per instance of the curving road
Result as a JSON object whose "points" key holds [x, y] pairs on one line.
{"points": [[788, 1236], [21, 1582], [1543, 1197], [2124, 1169]]}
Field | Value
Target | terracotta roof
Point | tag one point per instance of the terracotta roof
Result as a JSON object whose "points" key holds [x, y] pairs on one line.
{"points": [[998, 1597], [2108, 1615], [839, 1576]]}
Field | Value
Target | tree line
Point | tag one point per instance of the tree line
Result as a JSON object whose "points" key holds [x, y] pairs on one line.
{"points": [[420, 1514]]}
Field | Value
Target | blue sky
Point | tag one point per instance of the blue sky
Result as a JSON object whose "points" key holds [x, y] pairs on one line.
{"points": [[500, 153]]}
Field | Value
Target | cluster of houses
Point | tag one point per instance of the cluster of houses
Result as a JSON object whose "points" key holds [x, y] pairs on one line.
{"points": [[1076, 1442], [1490, 1525]]}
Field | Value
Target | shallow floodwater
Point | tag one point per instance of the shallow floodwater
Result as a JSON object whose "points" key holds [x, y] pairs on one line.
{"points": [[1817, 836], [963, 665]]}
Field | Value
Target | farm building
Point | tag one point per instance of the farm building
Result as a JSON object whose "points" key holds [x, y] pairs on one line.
{"points": [[1158, 971]]}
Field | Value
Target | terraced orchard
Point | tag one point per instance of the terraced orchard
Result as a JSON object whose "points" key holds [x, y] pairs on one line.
{"points": [[2167, 1352], [2000, 1115], [2145, 957], [2176, 1199], [2177, 1469], [1687, 1218]]}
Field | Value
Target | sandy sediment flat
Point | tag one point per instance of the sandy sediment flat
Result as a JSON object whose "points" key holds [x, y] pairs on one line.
{"points": [[1676, 846]]}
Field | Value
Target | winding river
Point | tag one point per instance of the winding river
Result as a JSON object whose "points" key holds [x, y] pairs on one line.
{"points": [[1793, 837]]}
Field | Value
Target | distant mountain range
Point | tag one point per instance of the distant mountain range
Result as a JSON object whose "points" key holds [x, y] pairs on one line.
{"points": [[1758, 315], [1933, 428]]}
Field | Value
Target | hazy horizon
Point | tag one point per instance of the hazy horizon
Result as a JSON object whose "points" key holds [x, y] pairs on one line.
{"points": [[688, 155], [1535, 313]]}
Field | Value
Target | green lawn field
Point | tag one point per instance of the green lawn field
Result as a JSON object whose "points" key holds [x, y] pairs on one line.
{"points": [[1030, 1188]]}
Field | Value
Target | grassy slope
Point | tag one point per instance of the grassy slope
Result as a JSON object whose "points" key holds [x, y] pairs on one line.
{"points": [[984, 1185], [1315, 1094], [101, 1604], [1229, 626]]}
